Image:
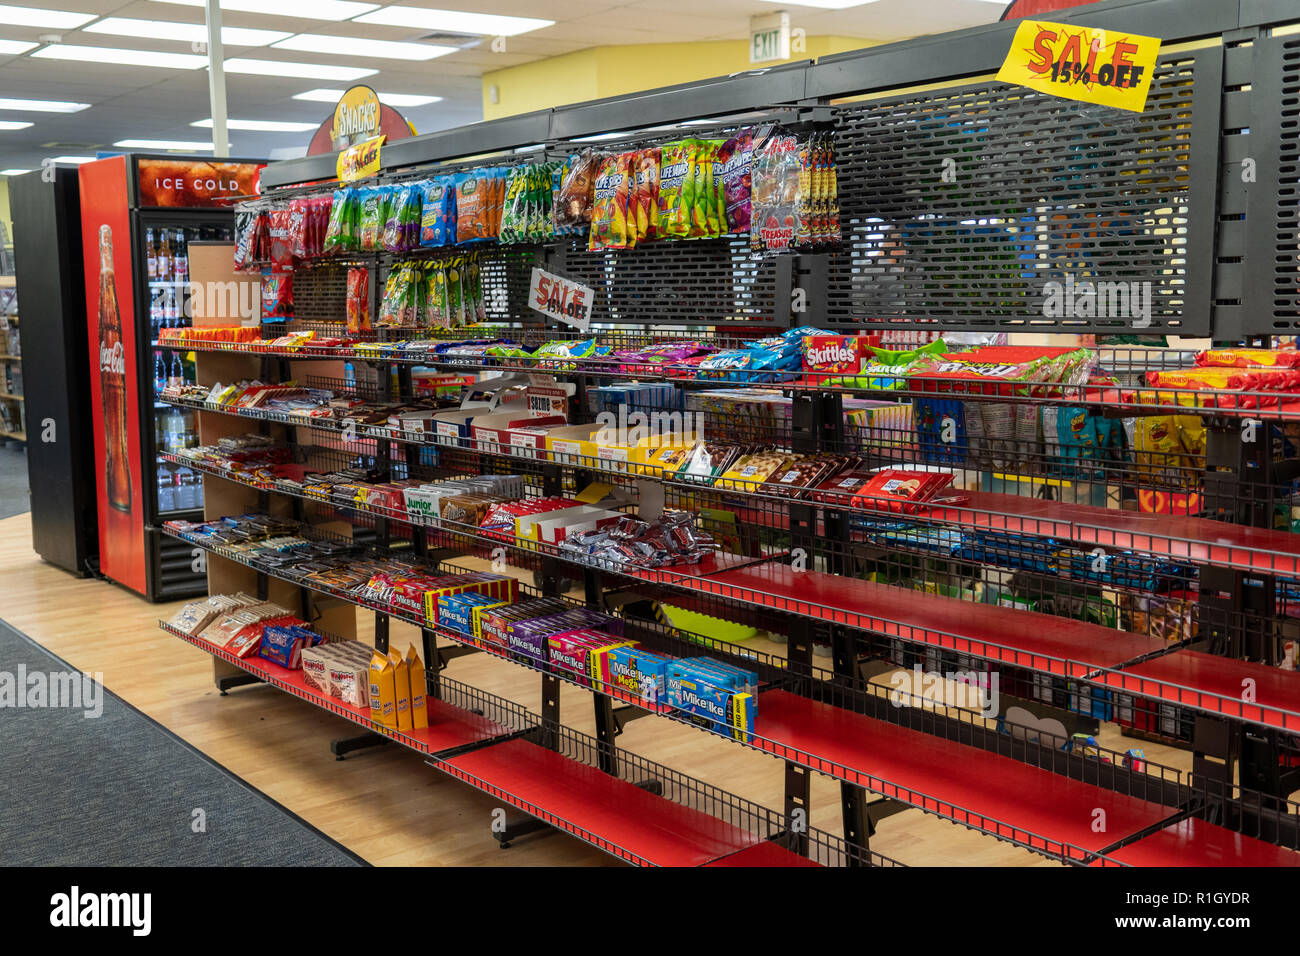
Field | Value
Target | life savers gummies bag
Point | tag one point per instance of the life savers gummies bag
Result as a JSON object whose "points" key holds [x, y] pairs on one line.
{"points": [[737, 158], [609, 208], [676, 189], [643, 207]]}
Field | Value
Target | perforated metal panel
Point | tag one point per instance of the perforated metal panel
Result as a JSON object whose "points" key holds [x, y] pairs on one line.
{"points": [[686, 282], [961, 205]]}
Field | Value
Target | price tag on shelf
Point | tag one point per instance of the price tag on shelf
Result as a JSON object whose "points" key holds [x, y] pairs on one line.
{"points": [[1106, 67], [359, 161], [560, 299]]}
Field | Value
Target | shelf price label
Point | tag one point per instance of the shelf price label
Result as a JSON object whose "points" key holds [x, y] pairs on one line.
{"points": [[560, 299], [359, 161], [1104, 67]]}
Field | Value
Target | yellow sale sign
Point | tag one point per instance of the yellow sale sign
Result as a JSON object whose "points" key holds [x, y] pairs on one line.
{"points": [[359, 161], [1082, 63]]}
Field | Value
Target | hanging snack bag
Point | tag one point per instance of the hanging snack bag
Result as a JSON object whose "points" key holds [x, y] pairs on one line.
{"points": [[573, 204], [676, 187], [475, 280], [341, 233], [455, 301], [358, 305], [281, 241], [474, 207], [400, 228], [515, 216], [643, 207], [710, 194], [245, 240], [372, 217], [435, 307], [609, 210], [737, 158], [277, 295], [775, 195], [297, 229], [437, 212]]}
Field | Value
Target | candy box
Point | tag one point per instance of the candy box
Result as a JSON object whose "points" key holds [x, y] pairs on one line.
{"points": [[836, 354], [401, 690], [721, 673], [572, 651], [348, 679], [494, 624], [642, 673], [283, 644], [455, 612], [720, 709], [899, 490], [528, 644], [383, 691], [314, 662], [417, 679], [554, 527]]}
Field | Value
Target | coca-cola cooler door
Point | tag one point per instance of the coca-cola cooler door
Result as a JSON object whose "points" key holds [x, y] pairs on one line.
{"points": [[113, 369]]}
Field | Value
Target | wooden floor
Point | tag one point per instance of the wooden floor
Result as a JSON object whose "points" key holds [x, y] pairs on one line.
{"points": [[385, 804]]}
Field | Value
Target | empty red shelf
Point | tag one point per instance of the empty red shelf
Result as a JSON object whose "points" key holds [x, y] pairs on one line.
{"points": [[766, 853], [1197, 843], [1040, 642], [996, 794], [1217, 684], [617, 816]]}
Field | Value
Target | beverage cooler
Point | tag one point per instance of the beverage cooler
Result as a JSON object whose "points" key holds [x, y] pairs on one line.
{"points": [[138, 216]]}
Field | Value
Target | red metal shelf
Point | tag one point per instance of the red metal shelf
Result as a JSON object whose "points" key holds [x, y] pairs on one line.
{"points": [[618, 816], [1218, 684], [1197, 843], [1028, 639], [449, 727], [1176, 537], [1053, 813], [766, 853]]}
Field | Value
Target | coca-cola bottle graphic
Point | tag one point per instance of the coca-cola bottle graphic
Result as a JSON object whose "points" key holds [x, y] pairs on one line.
{"points": [[112, 379]]}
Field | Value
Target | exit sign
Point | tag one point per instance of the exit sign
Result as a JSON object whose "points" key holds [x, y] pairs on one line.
{"points": [[769, 38]]}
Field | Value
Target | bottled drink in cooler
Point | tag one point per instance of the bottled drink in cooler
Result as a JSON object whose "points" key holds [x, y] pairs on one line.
{"points": [[180, 258], [164, 258], [151, 254], [112, 379]]}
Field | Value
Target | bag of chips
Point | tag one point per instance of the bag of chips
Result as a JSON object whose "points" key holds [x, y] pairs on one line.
{"points": [[474, 278], [341, 233], [437, 212], [474, 206], [676, 189], [358, 305], [516, 216], [403, 297], [401, 230], [455, 297], [574, 201], [371, 217], [609, 210]]}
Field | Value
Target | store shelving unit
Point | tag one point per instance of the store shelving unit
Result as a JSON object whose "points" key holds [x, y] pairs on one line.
{"points": [[800, 573]]}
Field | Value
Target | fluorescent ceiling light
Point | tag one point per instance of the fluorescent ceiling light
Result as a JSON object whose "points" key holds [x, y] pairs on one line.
{"points": [[355, 46], [307, 9], [454, 21], [310, 71], [14, 124], [824, 4], [42, 106], [390, 99], [14, 172], [74, 160], [15, 47], [32, 17], [103, 54], [260, 126], [163, 144], [188, 32]]}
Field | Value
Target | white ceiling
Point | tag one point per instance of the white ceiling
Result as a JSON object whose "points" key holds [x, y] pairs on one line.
{"points": [[160, 104]]}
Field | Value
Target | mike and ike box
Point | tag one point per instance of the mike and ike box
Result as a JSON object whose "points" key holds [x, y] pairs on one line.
{"points": [[401, 690], [416, 675]]}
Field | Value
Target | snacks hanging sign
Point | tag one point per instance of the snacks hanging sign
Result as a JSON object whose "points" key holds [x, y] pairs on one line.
{"points": [[560, 299], [356, 117], [359, 161], [1104, 67]]}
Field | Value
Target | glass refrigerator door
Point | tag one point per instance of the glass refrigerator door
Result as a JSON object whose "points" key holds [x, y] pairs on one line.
{"points": [[177, 488]]}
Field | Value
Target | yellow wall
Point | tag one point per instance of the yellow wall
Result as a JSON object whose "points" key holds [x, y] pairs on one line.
{"points": [[614, 70]]}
